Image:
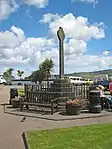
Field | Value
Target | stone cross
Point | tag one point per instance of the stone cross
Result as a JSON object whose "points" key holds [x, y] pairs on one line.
{"points": [[61, 37]]}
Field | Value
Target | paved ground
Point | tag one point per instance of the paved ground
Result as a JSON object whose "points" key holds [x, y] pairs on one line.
{"points": [[11, 127]]}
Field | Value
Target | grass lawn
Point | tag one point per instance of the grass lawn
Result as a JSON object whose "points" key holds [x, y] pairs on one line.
{"points": [[87, 137]]}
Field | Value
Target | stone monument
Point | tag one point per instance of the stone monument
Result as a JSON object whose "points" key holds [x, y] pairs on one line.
{"points": [[61, 37], [62, 84], [62, 87]]}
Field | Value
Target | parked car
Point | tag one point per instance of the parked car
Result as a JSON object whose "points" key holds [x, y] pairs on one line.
{"points": [[2, 80]]}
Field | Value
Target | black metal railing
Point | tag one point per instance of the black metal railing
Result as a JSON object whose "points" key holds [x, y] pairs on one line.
{"points": [[48, 92]]}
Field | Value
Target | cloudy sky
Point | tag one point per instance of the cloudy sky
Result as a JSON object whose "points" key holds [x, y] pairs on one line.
{"points": [[28, 34]]}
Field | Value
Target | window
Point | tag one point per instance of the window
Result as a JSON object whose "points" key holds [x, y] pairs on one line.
{"points": [[82, 79], [74, 78]]}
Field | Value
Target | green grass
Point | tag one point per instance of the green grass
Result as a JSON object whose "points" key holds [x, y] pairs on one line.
{"points": [[21, 92], [87, 137]]}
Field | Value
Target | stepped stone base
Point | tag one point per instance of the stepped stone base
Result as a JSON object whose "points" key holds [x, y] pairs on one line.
{"points": [[65, 90]]}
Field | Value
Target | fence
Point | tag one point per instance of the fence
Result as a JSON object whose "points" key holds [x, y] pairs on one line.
{"points": [[53, 97], [47, 92]]}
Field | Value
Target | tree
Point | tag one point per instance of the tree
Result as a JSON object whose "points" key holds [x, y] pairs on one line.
{"points": [[9, 71], [37, 75], [44, 71], [5, 75], [20, 73], [46, 67], [8, 74]]}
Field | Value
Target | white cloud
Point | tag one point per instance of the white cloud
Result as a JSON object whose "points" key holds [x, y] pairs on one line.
{"points": [[7, 7], [16, 49], [78, 28], [37, 3], [11, 38], [22, 52], [106, 52], [75, 48], [49, 17], [88, 63], [87, 1]]}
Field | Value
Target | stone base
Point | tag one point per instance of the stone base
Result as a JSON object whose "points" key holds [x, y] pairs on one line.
{"points": [[64, 90], [62, 86]]}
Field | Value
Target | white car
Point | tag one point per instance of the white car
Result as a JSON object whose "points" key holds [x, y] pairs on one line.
{"points": [[2, 80]]}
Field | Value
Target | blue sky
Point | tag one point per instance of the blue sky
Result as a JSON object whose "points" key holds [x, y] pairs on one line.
{"points": [[28, 34]]}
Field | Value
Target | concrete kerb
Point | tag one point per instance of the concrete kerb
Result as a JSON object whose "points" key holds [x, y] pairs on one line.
{"points": [[25, 140], [55, 119], [32, 116]]}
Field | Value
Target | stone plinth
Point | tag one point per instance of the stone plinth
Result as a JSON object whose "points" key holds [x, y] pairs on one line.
{"points": [[64, 90]]}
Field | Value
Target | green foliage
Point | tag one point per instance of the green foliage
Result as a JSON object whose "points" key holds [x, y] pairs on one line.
{"points": [[8, 74], [86, 137], [20, 73], [38, 75], [46, 67], [44, 72]]}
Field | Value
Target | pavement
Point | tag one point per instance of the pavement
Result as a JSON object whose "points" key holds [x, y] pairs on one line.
{"points": [[11, 127]]}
